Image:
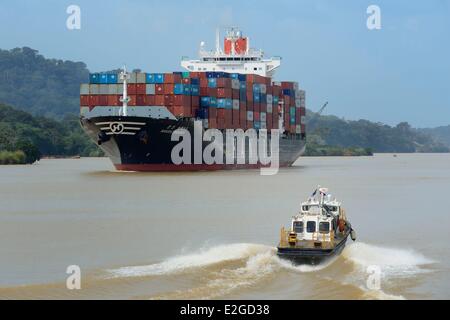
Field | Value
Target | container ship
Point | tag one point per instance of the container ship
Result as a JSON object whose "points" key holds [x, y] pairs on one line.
{"points": [[133, 116]]}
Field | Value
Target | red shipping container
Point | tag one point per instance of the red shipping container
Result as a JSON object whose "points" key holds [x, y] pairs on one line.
{"points": [[255, 78], [140, 100], [235, 94], [203, 91], [297, 117], [168, 88], [159, 89], [263, 107], [255, 115], [131, 88], [249, 94], [203, 82], [249, 106], [256, 107], [242, 116], [182, 100], [181, 111], [249, 124], [114, 100], [236, 119], [243, 105], [172, 78], [268, 81], [102, 100], [212, 92], [269, 89], [150, 100], [223, 82], [132, 101], [140, 88], [202, 75], [224, 93], [303, 128], [194, 74], [159, 100], [303, 111], [195, 101], [93, 100], [287, 85], [84, 100], [168, 99], [269, 122]]}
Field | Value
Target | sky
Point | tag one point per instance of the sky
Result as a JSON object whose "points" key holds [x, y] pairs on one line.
{"points": [[400, 72]]}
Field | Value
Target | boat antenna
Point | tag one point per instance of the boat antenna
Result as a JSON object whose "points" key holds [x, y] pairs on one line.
{"points": [[124, 75]]}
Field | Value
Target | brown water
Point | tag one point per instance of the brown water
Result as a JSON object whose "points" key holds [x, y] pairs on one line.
{"points": [[213, 234]]}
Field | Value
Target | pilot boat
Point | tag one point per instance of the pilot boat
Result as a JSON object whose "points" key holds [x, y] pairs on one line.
{"points": [[318, 232]]}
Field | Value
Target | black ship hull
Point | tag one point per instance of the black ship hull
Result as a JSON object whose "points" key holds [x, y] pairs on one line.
{"points": [[143, 143]]}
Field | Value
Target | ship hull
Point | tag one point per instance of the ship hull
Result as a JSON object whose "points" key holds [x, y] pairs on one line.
{"points": [[136, 143]]}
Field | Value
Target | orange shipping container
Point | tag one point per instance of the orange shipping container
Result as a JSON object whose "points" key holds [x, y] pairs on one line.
{"points": [[140, 88]]}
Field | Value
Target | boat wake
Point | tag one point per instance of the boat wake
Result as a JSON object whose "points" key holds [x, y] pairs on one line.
{"points": [[223, 270]]}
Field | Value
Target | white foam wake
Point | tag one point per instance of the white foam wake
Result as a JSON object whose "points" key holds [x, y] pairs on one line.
{"points": [[393, 262], [203, 258]]}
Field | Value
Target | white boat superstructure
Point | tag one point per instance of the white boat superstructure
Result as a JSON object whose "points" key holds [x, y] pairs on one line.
{"points": [[319, 217], [235, 57]]}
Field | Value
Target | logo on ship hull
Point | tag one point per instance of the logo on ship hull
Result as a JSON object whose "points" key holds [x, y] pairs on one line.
{"points": [[116, 127]]}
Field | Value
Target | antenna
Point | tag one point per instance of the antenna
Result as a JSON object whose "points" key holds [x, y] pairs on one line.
{"points": [[217, 41], [125, 99]]}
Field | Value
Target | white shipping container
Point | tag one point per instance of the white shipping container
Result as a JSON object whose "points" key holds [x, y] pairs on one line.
{"points": [[269, 108], [295, 85], [84, 88], [263, 125], [103, 89], [119, 88], [262, 116], [269, 99], [236, 104], [298, 103], [298, 129], [133, 78], [205, 123], [94, 89], [263, 88], [249, 115], [150, 88], [112, 89], [140, 77], [235, 84]]}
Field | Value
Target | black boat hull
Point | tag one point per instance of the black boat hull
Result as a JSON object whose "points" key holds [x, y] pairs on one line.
{"points": [[311, 256]]}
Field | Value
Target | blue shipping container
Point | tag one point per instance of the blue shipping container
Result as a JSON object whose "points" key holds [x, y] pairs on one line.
{"points": [[103, 78], [195, 89], [149, 78], [178, 88], [256, 97], [228, 104], [256, 87], [159, 77], [94, 78], [213, 102], [221, 103], [288, 92], [212, 82], [256, 124], [112, 78], [204, 102], [195, 81]]}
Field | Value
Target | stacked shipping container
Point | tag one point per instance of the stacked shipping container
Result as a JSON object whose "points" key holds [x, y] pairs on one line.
{"points": [[222, 100]]}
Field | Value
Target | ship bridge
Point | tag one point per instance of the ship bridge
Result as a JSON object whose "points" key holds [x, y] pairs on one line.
{"points": [[236, 56]]}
